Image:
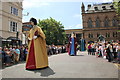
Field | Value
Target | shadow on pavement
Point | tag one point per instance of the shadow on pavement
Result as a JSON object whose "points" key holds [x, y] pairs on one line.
{"points": [[45, 72]]}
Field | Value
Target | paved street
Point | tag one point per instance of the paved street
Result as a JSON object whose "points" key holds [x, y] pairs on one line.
{"points": [[65, 66]]}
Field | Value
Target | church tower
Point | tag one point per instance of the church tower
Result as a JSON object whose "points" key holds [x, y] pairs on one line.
{"points": [[83, 8]]}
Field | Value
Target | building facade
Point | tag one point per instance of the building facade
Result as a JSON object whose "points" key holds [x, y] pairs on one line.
{"points": [[10, 21], [100, 19], [25, 30], [78, 33]]}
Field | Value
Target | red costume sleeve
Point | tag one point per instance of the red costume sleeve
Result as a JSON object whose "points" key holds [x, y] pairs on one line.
{"points": [[36, 33]]}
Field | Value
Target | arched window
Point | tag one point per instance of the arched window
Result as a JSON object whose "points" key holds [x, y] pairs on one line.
{"points": [[114, 22], [97, 22], [115, 34], [106, 22], [107, 35], [90, 23], [90, 35]]}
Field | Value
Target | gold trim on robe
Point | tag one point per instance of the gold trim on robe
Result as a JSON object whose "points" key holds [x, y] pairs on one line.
{"points": [[40, 51]]}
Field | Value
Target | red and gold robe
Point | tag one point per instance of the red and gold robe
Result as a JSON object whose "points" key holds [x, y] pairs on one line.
{"points": [[37, 53]]}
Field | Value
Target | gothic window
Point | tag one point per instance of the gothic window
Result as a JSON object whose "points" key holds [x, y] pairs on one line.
{"points": [[114, 34], [114, 22], [106, 22], [90, 23], [107, 35], [97, 22], [90, 35]]}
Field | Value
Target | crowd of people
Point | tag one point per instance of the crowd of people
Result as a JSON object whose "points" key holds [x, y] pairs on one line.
{"points": [[52, 49], [14, 54], [107, 50]]}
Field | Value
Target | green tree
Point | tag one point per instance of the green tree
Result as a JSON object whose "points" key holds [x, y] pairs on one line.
{"points": [[116, 4], [53, 30]]}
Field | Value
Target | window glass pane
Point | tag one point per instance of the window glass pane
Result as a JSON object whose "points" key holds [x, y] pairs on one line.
{"points": [[106, 35], [106, 23], [13, 26], [116, 34], [89, 23], [113, 34], [114, 22], [97, 23], [17, 12], [91, 35], [88, 35], [16, 26]]}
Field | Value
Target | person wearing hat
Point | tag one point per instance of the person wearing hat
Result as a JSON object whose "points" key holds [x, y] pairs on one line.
{"points": [[37, 54]]}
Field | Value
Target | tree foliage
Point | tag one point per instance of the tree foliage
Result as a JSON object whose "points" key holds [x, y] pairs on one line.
{"points": [[53, 30], [117, 7]]}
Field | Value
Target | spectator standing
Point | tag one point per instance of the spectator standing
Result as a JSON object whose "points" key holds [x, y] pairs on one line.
{"points": [[17, 52], [115, 51], [25, 52], [7, 57], [21, 53], [89, 47], [0, 54], [3, 55], [118, 52], [109, 52]]}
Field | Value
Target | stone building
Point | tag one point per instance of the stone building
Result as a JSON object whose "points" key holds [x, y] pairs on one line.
{"points": [[100, 19], [25, 29], [10, 22], [78, 33]]}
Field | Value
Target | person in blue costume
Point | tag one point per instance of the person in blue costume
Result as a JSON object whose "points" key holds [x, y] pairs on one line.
{"points": [[82, 45], [72, 45]]}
